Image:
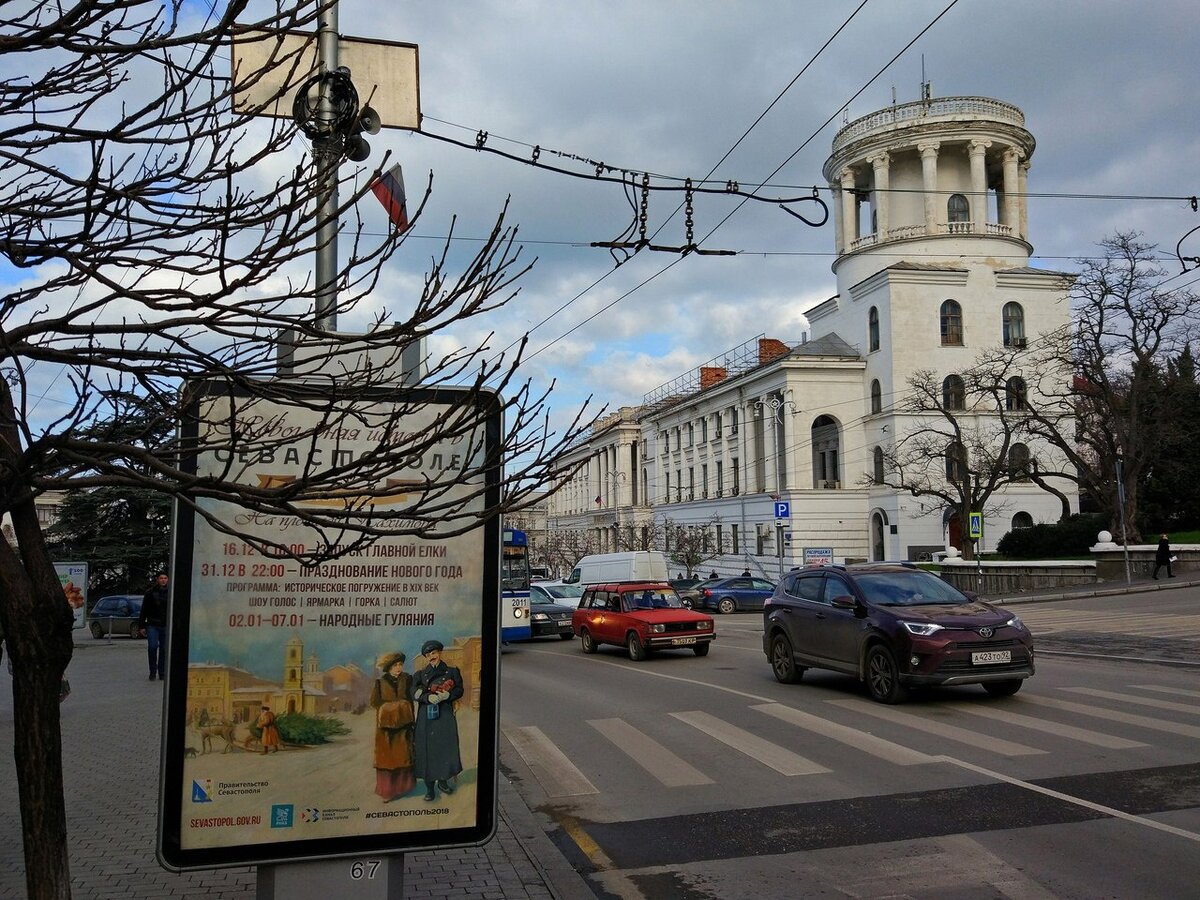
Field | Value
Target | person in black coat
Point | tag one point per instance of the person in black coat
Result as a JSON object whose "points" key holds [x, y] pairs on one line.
{"points": [[152, 625], [436, 757], [1162, 557]]}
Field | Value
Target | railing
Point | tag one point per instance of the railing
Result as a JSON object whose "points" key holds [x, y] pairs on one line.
{"points": [[904, 113]]}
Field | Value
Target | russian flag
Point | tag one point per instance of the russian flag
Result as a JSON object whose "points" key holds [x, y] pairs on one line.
{"points": [[389, 190]]}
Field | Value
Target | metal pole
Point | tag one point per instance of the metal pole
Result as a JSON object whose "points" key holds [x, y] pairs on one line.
{"points": [[327, 153], [1121, 506]]}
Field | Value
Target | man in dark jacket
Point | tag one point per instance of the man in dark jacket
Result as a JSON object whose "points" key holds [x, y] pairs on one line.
{"points": [[1162, 557], [435, 743], [152, 624]]}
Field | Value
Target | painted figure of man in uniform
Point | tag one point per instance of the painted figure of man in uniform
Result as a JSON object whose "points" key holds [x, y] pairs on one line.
{"points": [[435, 751]]}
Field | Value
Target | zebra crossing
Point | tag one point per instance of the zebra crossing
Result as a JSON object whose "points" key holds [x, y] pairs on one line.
{"points": [[1049, 620], [1126, 720]]}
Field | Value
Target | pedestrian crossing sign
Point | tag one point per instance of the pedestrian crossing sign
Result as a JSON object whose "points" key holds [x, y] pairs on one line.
{"points": [[976, 526]]}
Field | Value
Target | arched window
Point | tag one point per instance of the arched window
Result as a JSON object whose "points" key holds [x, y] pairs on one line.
{"points": [[877, 474], [957, 209], [952, 324], [876, 396], [954, 393], [1019, 463], [1013, 325], [1014, 394], [873, 328], [1022, 520], [956, 462]]}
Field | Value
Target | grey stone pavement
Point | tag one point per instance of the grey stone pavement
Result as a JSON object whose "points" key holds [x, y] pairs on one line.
{"points": [[111, 729]]}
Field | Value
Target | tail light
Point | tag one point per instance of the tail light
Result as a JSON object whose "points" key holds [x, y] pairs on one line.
{"points": [[707, 592]]}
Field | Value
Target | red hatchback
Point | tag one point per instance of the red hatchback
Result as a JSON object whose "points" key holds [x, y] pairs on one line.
{"points": [[640, 616]]}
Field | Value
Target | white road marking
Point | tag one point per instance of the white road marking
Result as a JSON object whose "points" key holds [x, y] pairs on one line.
{"points": [[661, 763], [550, 766], [860, 740], [782, 760]]}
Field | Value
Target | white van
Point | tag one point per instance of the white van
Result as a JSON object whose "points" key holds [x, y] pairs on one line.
{"points": [[602, 568]]}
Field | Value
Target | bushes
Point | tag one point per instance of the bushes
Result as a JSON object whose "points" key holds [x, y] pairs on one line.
{"points": [[1070, 537]]}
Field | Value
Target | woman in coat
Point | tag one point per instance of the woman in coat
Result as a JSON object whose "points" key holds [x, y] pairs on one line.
{"points": [[390, 696]]}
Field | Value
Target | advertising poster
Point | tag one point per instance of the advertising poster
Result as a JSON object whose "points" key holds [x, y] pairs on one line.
{"points": [[343, 708], [74, 578]]}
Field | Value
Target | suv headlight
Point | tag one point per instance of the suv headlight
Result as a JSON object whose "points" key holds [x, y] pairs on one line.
{"points": [[922, 628], [1015, 622]]}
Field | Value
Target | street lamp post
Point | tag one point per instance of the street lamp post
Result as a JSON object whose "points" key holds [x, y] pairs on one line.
{"points": [[777, 405]]}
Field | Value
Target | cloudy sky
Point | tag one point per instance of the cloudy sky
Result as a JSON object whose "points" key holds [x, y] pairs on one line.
{"points": [[1108, 89], [682, 89]]}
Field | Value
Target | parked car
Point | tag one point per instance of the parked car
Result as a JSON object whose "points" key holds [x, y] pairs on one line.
{"points": [[116, 614], [894, 626], [641, 617], [728, 595], [688, 589], [557, 592], [548, 618]]}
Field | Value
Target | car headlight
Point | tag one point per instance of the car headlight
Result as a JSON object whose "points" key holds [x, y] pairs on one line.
{"points": [[540, 617], [703, 626], [922, 628], [658, 629], [1015, 622]]}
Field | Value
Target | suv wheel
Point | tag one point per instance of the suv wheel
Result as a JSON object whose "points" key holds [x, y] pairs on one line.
{"points": [[883, 676], [1002, 688], [783, 664], [587, 641], [727, 605], [637, 650]]}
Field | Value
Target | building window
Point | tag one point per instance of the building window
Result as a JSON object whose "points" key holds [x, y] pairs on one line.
{"points": [[1013, 325], [954, 393], [1014, 394], [952, 324], [720, 539], [733, 420], [691, 435], [877, 475], [876, 396], [717, 430], [1019, 462], [679, 485], [956, 462], [720, 478], [957, 209], [737, 476], [873, 328], [1022, 520], [734, 546], [678, 438], [704, 481], [691, 483]]}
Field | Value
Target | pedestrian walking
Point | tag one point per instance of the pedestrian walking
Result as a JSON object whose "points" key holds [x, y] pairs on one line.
{"points": [[152, 625], [1163, 557]]}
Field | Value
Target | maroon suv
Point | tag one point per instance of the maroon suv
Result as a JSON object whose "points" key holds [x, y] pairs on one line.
{"points": [[893, 626], [640, 616]]}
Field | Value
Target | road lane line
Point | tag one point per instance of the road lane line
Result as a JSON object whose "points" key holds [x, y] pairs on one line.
{"points": [[661, 763], [549, 765], [852, 737], [1113, 715], [941, 729], [1077, 801], [1190, 708], [782, 760], [1179, 692], [1058, 729]]}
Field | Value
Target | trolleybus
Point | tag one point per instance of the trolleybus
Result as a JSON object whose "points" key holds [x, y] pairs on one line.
{"points": [[514, 587]]}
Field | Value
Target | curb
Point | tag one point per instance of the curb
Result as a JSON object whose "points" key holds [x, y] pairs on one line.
{"points": [[560, 877], [1137, 587]]}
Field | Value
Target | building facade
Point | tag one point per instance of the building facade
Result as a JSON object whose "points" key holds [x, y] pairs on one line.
{"points": [[932, 270]]}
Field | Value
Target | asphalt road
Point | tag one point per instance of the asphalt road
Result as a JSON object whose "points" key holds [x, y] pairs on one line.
{"points": [[697, 778]]}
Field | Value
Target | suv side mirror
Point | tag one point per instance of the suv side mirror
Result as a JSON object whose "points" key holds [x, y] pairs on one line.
{"points": [[844, 601]]}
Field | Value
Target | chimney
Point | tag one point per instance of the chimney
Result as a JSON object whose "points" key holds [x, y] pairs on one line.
{"points": [[710, 375], [770, 349]]}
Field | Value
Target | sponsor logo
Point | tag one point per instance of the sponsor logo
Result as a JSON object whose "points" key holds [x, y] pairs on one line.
{"points": [[282, 815], [202, 790], [310, 815]]}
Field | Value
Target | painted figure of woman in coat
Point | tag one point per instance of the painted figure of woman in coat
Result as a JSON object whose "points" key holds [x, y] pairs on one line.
{"points": [[391, 697], [435, 688]]}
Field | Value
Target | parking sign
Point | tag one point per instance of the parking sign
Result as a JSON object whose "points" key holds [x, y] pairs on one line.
{"points": [[783, 509]]}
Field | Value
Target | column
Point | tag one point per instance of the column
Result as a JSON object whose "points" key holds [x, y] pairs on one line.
{"points": [[770, 446], [879, 164], [835, 198], [1023, 185], [849, 210], [746, 441], [790, 409], [1012, 191], [978, 154], [929, 155]]}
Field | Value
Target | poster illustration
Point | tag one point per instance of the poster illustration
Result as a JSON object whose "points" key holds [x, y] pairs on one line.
{"points": [[351, 703], [74, 579]]}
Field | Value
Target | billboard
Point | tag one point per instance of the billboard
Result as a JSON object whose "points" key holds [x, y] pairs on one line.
{"points": [[345, 708], [73, 576]]}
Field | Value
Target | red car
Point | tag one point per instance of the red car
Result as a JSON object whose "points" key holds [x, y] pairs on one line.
{"points": [[640, 616]]}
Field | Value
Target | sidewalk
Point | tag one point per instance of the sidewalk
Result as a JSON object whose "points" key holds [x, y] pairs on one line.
{"points": [[1103, 589], [111, 728]]}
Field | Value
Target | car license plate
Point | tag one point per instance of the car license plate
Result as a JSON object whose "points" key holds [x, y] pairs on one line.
{"points": [[989, 657], [678, 641]]}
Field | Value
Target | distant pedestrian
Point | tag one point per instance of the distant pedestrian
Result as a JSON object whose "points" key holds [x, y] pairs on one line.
{"points": [[152, 625], [1163, 557], [745, 573], [712, 575]]}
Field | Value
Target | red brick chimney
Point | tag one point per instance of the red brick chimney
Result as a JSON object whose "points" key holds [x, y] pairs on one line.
{"points": [[710, 375], [770, 349]]}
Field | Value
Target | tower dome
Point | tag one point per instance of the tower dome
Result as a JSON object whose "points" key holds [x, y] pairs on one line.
{"points": [[932, 180]]}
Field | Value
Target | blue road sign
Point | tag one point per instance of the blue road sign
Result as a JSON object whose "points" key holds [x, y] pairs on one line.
{"points": [[783, 509]]}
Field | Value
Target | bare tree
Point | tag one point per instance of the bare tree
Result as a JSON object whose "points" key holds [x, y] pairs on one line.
{"points": [[565, 547], [693, 544], [155, 255], [645, 536]]}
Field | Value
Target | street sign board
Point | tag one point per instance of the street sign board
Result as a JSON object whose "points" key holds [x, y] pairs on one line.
{"points": [[268, 655], [818, 556], [976, 526], [783, 509]]}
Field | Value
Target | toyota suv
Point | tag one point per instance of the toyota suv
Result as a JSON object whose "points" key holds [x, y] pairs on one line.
{"points": [[894, 626], [641, 617]]}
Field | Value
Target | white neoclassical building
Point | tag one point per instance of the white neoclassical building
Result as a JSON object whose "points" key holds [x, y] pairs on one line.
{"points": [[932, 268]]}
